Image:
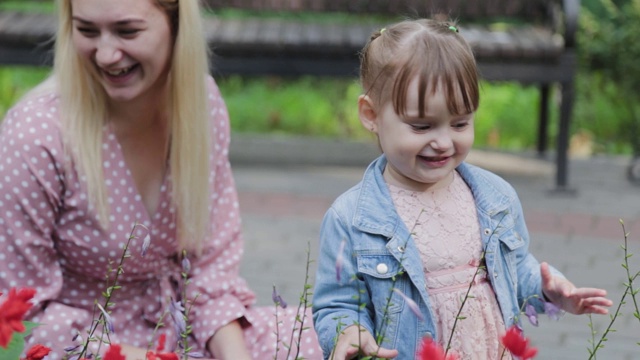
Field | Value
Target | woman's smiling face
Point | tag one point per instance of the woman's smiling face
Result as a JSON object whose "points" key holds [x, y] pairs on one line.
{"points": [[128, 44]]}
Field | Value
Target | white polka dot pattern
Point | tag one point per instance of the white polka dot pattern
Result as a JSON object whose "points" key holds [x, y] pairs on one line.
{"points": [[50, 239]]}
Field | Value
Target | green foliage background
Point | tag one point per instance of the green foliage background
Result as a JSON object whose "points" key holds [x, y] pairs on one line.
{"points": [[606, 105], [609, 40]]}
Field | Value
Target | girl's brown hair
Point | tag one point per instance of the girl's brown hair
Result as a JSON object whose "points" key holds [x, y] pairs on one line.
{"points": [[430, 50]]}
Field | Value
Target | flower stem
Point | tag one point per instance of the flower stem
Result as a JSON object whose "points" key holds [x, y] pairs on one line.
{"points": [[302, 305], [628, 290], [108, 295], [464, 301]]}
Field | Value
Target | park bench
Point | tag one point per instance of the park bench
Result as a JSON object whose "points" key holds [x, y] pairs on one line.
{"points": [[528, 41]]}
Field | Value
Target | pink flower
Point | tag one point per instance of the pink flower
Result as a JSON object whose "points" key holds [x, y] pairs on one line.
{"points": [[37, 352], [12, 312], [114, 353], [430, 350], [517, 344], [158, 354]]}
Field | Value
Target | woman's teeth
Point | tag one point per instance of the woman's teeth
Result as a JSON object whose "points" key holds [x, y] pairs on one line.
{"points": [[119, 71]]}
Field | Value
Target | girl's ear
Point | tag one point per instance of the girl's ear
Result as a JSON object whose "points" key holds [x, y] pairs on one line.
{"points": [[367, 113]]}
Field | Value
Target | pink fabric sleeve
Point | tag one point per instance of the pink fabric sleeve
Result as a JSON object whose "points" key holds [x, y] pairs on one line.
{"points": [[223, 296], [32, 187]]}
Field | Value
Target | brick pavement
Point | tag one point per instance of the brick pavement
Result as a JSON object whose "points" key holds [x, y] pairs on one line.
{"points": [[282, 207]]}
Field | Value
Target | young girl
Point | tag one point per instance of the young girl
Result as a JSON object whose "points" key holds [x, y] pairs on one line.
{"points": [[422, 225]]}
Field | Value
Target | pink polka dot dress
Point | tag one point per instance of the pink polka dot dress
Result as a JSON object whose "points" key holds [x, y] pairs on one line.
{"points": [[50, 240]]}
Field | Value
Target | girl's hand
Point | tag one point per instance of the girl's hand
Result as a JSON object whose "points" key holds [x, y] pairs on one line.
{"points": [[569, 298], [347, 345]]}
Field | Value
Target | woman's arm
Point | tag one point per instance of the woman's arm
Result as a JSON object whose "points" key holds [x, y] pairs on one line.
{"points": [[228, 343]]}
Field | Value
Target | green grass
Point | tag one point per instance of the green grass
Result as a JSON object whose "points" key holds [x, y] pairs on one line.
{"points": [[326, 107], [44, 6], [15, 81]]}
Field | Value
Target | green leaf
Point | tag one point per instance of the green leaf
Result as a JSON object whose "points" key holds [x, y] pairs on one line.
{"points": [[16, 345]]}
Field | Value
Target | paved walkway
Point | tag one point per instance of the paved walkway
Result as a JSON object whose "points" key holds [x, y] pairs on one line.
{"points": [[282, 203]]}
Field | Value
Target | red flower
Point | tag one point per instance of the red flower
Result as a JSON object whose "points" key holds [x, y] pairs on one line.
{"points": [[114, 353], [518, 344], [37, 352], [158, 354], [11, 313], [430, 350]]}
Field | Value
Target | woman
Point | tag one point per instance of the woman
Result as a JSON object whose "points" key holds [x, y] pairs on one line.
{"points": [[129, 136]]}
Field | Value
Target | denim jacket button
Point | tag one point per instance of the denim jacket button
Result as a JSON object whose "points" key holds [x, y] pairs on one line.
{"points": [[382, 268], [495, 274], [401, 249], [487, 231]]}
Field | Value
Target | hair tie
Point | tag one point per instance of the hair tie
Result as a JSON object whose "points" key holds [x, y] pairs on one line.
{"points": [[453, 28], [382, 30]]}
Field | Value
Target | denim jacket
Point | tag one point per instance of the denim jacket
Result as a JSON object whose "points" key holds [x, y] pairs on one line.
{"points": [[377, 246]]}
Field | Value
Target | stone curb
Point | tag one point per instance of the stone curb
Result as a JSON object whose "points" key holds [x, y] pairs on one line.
{"points": [[280, 150]]}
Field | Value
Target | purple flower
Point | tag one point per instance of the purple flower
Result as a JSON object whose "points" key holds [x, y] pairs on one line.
{"points": [[340, 259], [176, 310], [186, 264], [77, 337], [531, 313], [145, 244], [71, 348], [553, 311], [107, 319], [412, 304], [277, 299]]}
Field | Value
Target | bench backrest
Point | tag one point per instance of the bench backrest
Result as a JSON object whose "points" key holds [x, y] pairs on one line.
{"points": [[467, 10]]}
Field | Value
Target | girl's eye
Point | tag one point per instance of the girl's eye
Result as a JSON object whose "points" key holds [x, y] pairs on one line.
{"points": [[460, 125], [420, 127]]}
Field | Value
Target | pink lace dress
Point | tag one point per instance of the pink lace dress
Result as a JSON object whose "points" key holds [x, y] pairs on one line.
{"points": [[446, 231]]}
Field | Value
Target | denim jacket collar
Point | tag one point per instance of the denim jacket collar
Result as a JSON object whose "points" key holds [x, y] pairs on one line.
{"points": [[375, 212]]}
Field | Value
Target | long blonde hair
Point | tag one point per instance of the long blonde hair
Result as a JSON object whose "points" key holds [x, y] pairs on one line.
{"points": [[84, 114]]}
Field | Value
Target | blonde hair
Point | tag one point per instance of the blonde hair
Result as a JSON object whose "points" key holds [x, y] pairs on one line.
{"points": [[429, 49], [84, 114]]}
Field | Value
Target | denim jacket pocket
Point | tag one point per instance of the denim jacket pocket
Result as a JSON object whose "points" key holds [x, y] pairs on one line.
{"points": [[511, 241], [383, 274]]}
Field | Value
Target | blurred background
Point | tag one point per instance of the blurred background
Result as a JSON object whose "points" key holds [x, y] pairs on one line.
{"points": [[605, 120]]}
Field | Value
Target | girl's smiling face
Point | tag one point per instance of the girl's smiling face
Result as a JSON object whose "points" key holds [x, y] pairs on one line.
{"points": [[127, 44], [422, 151]]}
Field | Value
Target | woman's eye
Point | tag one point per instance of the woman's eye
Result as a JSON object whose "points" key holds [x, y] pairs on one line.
{"points": [[87, 31], [128, 32]]}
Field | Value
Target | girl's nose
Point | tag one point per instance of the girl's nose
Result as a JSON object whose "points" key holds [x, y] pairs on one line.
{"points": [[442, 140], [107, 53]]}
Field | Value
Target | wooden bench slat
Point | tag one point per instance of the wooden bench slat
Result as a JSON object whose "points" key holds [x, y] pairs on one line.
{"points": [[276, 35], [318, 38]]}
